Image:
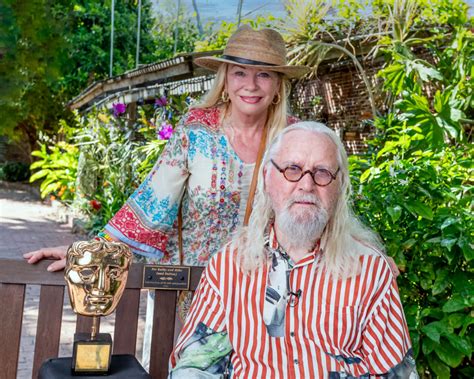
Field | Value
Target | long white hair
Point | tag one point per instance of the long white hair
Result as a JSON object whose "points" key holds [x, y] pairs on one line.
{"points": [[344, 239]]}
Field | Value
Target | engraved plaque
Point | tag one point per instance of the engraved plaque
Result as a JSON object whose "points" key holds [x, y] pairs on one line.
{"points": [[166, 277]]}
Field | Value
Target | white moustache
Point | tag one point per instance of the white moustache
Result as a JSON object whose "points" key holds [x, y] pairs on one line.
{"points": [[306, 198]]}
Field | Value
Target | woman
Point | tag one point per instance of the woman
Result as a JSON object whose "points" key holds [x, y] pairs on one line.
{"points": [[206, 167]]}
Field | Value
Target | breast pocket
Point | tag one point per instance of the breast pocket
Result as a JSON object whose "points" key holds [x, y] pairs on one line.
{"points": [[334, 329]]}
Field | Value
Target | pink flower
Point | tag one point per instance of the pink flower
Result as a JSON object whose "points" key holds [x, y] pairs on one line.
{"points": [[119, 108], [166, 131], [161, 102]]}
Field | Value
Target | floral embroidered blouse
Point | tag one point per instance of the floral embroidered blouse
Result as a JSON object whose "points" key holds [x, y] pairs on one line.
{"points": [[199, 170]]}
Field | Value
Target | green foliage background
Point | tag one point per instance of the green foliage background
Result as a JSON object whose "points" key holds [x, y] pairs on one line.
{"points": [[51, 50]]}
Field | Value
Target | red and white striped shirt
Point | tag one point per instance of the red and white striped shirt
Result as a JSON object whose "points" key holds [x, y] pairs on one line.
{"points": [[351, 327]]}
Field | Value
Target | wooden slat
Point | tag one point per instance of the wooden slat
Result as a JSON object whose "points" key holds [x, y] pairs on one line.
{"points": [[11, 316], [126, 322], [18, 271], [162, 335], [196, 273], [84, 324], [163, 326], [48, 331]]}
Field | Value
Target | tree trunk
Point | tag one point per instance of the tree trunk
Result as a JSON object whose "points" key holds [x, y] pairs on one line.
{"points": [[239, 12], [198, 19], [176, 28]]}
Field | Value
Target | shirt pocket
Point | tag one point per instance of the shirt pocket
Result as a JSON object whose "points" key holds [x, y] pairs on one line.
{"points": [[335, 329]]}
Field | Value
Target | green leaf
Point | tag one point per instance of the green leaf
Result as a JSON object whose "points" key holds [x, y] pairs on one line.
{"points": [[456, 114], [447, 126], [467, 323], [36, 164], [420, 209], [438, 102], [460, 343], [365, 175], [394, 212], [408, 244], [438, 367], [38, 153], [449, 355], [456, 320], [38, 175], [440, 282], [432, 332], [454, 304], [427, 73], [448, 222], [52, 187], [466, 247], [434, 240], [451, 255], [428, 345], [448, 242], [433, 312]]}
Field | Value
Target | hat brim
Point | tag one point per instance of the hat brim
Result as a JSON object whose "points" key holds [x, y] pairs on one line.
{"points": [[213, 63]]}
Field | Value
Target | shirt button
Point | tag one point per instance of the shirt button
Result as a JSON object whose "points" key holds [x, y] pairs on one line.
{"points": [[296, 361], [292, 334]]}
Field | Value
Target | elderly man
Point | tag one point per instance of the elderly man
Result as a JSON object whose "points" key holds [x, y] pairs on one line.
{"points": [[305, 290]]}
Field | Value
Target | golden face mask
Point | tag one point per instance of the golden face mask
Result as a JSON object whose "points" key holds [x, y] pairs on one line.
{"points": [[96, 274]]}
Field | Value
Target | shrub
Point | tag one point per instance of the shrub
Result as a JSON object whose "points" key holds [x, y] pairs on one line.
{"points": [[14, 171], [415, 189]]}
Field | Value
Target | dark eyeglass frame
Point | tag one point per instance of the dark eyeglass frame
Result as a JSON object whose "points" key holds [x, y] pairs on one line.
{"points": [[303, 173]]}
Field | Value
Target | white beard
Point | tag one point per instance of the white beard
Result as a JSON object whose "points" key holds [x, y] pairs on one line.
{"points": [[302, 228]]}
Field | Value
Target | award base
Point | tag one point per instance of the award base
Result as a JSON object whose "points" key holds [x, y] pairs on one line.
{"points": [[91, 356], [122, 367]]}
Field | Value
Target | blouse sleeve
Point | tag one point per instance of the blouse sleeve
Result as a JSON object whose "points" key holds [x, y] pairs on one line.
{"points": [[146, 219], [203, 344]]}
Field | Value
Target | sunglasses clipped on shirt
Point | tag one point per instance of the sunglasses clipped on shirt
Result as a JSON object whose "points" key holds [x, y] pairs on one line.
{"points": [[293, 173]]}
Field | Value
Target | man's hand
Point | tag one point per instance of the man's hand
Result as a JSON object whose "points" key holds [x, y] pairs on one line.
{"points": [[58, 252], [393, 266]]}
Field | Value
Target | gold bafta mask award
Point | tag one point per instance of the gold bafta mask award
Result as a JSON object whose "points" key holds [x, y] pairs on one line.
{"points": [[96, 275]]}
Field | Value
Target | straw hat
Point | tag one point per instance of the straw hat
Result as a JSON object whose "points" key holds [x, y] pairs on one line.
{"points": [[263, 49]]}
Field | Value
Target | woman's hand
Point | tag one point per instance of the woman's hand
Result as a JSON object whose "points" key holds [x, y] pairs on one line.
{"points": [[58, 252]]}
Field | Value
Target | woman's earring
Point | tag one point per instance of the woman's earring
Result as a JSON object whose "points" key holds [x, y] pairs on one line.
{"points": [[225, 97], [277, 99]]}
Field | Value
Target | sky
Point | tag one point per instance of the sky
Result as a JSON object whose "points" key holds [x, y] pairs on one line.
{"points": [[216, 10], [227, 9]]}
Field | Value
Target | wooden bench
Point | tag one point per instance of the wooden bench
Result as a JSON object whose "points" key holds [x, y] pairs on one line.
{"points": [[16, 274]]}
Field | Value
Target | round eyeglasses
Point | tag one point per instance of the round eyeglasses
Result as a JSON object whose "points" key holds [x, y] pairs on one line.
{"points": [[293, 173]]}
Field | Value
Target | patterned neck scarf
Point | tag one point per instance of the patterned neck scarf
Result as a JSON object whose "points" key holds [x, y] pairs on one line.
{"points": [[278, 293]]}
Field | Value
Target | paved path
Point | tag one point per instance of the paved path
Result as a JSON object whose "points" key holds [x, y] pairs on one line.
{"points": [[26, 224]]}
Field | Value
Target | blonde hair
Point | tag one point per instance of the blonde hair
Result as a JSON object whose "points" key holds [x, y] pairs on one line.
{"points": [[277, 113], [344, 239]]}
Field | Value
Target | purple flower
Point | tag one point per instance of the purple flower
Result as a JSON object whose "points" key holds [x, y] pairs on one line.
{"points": [[119, 108], [161, 102], [166, 131]]}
